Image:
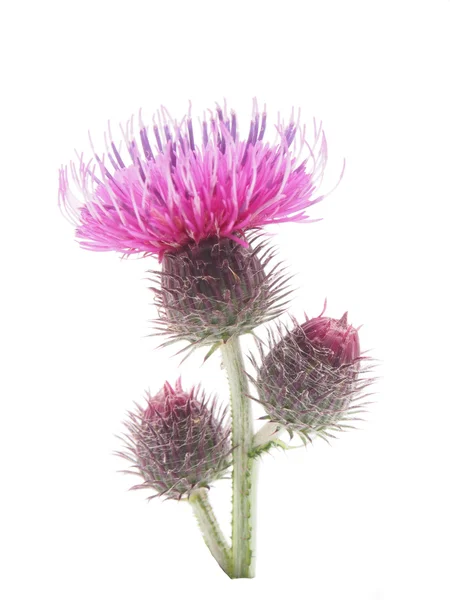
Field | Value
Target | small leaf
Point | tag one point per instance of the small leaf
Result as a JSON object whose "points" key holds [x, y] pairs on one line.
{"points": [[259, 450], [211, 351]]}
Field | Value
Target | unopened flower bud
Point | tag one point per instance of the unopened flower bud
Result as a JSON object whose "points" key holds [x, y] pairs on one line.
{"points": [[338, 339], [218, 288], [309, 380], [177, 442]]}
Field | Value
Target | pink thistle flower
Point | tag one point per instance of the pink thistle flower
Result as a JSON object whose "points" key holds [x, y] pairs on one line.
{"points": [[178, 442], [178, 190]]}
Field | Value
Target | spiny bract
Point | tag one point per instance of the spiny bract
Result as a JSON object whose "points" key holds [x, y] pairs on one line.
{"points": [[209, 292]]}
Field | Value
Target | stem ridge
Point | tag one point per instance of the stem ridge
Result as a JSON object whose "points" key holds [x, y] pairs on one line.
{"points": [[243, 477], [212, 533]]}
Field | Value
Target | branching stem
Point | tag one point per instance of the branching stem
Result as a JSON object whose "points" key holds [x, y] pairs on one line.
{"points": [[212, 534]]}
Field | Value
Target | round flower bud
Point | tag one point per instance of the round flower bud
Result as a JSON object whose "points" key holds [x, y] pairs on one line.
{"points": [[309, 380], [218, 288], [177, 442]]}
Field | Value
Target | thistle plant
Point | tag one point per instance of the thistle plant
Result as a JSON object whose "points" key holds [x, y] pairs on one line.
{"points": [[199, 203]]}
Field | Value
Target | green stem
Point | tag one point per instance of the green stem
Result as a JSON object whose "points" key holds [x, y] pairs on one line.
{"points": [[244, 476], [212, 534]]}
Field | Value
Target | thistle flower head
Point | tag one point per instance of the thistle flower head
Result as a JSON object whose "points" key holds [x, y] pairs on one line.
{"points": [[311, 380], [181, 188], [210, 291], [178, 442]]}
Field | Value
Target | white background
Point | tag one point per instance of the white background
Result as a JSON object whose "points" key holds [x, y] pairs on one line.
{"points": [[364, 519]]}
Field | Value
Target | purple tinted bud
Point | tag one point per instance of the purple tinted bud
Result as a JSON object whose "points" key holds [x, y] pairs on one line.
{"points": [[309, 381], [336, 337], [210, 291], [178, 442], [166, 402]]}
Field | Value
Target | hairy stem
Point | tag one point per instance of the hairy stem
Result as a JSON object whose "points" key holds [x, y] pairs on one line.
{"points": [[212, 534], [244, 483]]}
